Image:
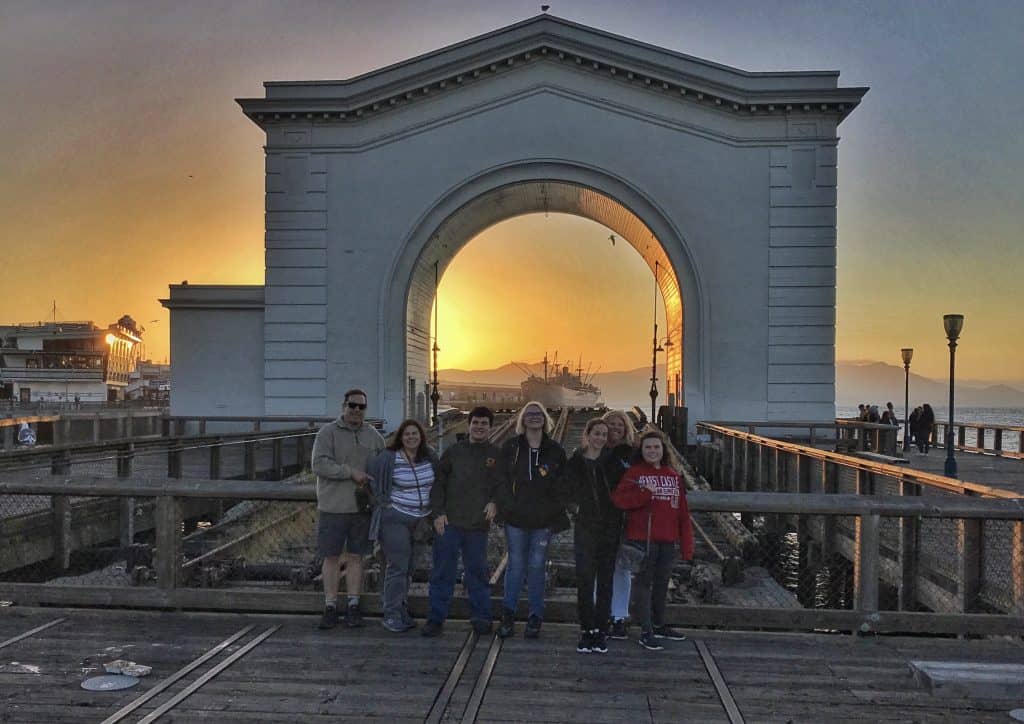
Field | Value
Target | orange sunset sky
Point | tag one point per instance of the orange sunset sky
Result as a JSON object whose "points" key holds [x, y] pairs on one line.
{"points": [[127, 166]]}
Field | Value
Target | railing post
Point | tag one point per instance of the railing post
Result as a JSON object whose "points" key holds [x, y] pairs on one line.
{"points": [[732, 462], [969, 551], [61, 511], [278, 458], [126, 506], [168, 541], [803, 536], [830, 486], [747, 519], [60, 463], [300, 454], [865, 566], [910, 533], [720, 464], [1017, 568], [215, 450], [174, 454], [249, 449]]}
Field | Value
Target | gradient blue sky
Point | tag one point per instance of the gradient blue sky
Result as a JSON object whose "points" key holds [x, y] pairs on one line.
{"points": [[126, 165]]}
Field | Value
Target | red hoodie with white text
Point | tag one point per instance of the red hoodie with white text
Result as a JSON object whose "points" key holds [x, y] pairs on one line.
{"points": [[658, 493]]}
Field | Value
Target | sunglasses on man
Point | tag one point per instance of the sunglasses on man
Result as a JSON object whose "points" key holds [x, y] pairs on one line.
{"points": [[355, 406]]}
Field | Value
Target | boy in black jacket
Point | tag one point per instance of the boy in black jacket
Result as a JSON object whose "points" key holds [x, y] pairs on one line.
{"points": [[462, 501]]}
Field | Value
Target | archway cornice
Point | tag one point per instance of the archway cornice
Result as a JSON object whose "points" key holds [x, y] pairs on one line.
{"points": [[551, 40]]}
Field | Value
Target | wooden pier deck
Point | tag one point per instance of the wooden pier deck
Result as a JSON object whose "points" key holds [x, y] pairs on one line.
{"points": [[300, 674], [999, 472]]}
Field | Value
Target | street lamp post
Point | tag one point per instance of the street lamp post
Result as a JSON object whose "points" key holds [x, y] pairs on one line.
{"points": [[908, 354], [953, 324], [434, 394], [655, 348]]}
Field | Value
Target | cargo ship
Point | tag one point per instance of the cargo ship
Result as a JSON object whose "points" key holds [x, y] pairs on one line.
{"points": [[561, 388]]}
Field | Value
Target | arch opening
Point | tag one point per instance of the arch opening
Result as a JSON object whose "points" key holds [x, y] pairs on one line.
{"points": [[540, 196]]}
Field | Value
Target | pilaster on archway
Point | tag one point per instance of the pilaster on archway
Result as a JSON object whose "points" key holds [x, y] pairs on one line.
{"points": [[550, 190]]}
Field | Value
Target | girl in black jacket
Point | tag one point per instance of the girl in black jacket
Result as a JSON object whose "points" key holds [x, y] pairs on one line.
{"points": [[591, 475]]}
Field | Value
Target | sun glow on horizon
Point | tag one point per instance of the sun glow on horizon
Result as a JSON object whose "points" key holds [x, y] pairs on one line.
{"points": [[541, 283]]}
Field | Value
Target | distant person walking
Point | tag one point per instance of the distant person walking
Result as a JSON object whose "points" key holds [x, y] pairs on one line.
{"points": [[889, 415], [401, 479], [531, 501], [340, 453], [620, 448], [925, 423], [912, 423]]}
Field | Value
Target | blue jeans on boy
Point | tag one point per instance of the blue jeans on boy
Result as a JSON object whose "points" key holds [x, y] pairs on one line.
{"points": [[527, 555], [473, 546]]}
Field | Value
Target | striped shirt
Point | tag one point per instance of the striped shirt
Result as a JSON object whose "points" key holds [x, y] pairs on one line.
{"points": [[410, 486]]}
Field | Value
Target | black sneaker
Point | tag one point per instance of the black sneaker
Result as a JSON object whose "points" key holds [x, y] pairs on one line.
{"points": [[353, 616], [532, 628], [648, 641], [431, 629], [330, 617], [667, 632], [481, 626], [508, 624], [619, 630], [598, 642], [584, 646]]}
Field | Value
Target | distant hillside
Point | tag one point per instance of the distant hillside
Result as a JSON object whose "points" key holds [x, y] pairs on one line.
{"points": [[856, 381], [877, 382]]}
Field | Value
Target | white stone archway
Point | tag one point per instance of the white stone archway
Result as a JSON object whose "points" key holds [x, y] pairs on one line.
{"points": [[542, 186], [727, 177]]}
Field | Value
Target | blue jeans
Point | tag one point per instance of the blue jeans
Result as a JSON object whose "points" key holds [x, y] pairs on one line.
{"points": [[527, 555], [473, 545], [396, 541], [621, 585]]}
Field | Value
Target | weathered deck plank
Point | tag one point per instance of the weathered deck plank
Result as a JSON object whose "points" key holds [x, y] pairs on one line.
{"points": [[302, 674]]}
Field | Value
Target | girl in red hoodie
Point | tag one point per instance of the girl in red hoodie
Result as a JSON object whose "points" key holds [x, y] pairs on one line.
{"points": [[658, 519]]}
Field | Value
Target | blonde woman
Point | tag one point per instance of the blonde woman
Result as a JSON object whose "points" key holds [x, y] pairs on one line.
{"points": [[620, 449], [531, 502]]}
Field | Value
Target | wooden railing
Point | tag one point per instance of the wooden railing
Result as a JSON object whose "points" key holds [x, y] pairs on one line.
{"points": [[170, 588], [1000, 434], [966, 555]]}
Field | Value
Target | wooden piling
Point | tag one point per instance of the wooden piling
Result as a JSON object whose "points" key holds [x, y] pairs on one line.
{"points": [[168, 541]]}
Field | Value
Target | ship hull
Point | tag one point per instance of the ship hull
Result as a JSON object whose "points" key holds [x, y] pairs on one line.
{"points": [[551, 395]]}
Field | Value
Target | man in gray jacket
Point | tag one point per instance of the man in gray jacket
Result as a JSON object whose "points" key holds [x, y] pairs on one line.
{"points": [[340, 454]]}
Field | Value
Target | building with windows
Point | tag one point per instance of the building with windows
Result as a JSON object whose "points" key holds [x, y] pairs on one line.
{"points": [[67, 362], [150, 381]]}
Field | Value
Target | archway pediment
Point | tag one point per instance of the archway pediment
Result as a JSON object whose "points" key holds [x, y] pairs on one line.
{"points": [[622, 63]]}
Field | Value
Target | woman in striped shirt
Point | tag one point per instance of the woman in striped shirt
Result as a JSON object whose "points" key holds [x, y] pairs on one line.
{"points": [[401, 478]]}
